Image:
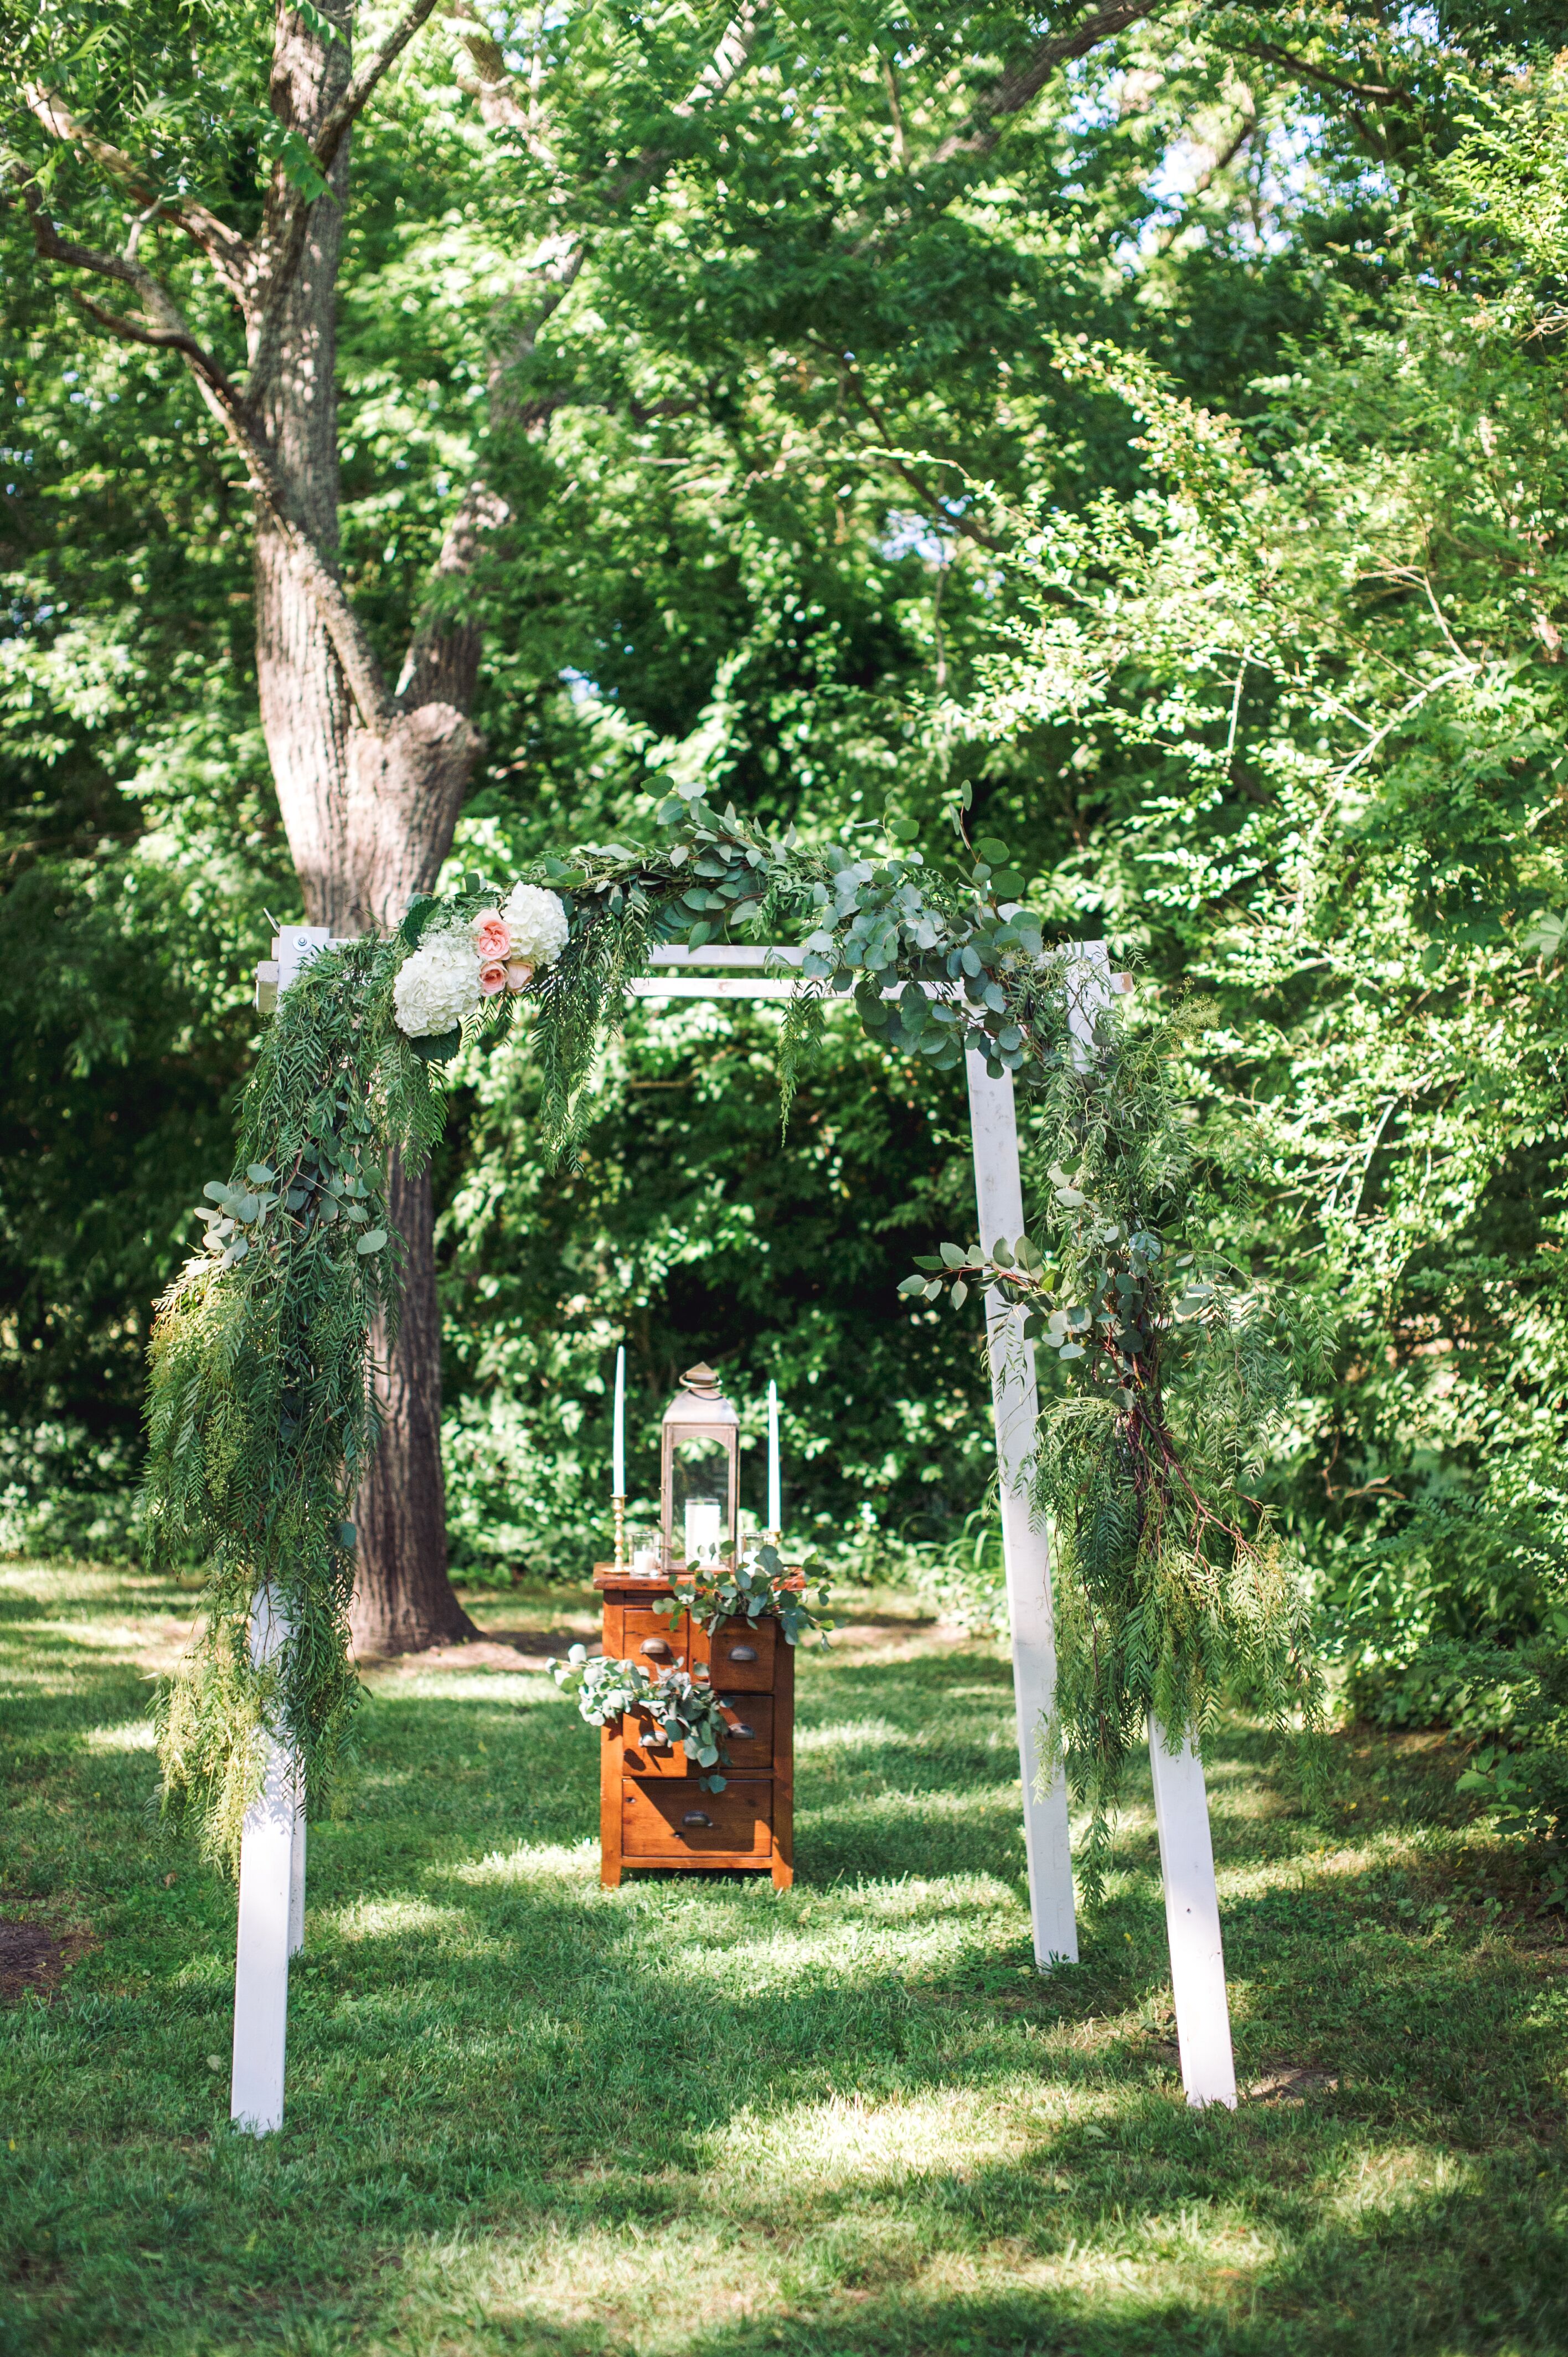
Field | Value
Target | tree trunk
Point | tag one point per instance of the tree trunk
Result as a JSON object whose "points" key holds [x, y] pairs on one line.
{"points": [[368, 810], [307, 711], [407, 791], [403, 1598]]}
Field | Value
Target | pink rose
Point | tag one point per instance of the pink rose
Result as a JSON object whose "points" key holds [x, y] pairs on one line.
{"points": [[492, 978], [492, 938], [519, 976]]}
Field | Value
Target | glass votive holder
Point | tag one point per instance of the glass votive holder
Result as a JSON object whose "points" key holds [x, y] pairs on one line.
{"points": [[644, 1551]]}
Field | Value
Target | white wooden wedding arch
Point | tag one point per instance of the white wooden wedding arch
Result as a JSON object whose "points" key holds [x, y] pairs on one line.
{"points": [[271, 1926]]}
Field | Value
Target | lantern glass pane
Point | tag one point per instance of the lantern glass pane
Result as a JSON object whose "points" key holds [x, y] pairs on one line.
{"points": [[699, 1521]]}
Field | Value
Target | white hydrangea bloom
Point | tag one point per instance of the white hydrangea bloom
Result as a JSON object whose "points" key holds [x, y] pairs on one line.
{"points": [[538, 923], [438, 985]]}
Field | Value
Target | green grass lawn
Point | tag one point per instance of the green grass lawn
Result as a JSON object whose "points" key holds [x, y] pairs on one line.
{"points": [[526, 2115]]}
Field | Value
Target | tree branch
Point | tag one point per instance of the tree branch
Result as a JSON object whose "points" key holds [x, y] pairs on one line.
{"points": [[899, 461], [719, 76], [283, 239], [491, 83], [1022, 83], [362, 84], [163, 328], [227, 251], [1375, 93]]}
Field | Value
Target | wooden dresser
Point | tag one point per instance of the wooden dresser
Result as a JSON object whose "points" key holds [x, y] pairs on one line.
{"points": [[652, 1809]]}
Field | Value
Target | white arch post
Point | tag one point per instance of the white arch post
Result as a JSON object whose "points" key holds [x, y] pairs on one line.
{"points": [[271, 1926], [1025, 1542]]}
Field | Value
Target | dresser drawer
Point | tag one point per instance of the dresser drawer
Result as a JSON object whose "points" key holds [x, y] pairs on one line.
{"points": [[673, 1817], [739, 1658], [642, 1756], [653, 1640], [750, 1742]]}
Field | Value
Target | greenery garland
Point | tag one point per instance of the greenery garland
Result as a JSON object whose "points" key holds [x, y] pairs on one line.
{"points": [[262, 1418], [1170, 1582]]}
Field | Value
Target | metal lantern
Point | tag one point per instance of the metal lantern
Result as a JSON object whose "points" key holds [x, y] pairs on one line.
{"points": [[700, 1472]]}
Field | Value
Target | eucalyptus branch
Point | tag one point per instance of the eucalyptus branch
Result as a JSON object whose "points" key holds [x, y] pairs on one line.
{"points": [[677, 1708]]}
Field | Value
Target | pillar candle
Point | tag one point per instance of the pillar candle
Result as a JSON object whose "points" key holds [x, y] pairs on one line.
{"points": [[618, 1473], [775, 1501]]}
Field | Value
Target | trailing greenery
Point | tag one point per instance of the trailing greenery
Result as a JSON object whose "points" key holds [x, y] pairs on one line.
{"points": [[685, 1708], [261, 1416], [1171, 1584]]}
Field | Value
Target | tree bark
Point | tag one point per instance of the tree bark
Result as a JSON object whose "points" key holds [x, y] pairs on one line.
{"points": [[407, 1601], [307, 711], [406, 788]]}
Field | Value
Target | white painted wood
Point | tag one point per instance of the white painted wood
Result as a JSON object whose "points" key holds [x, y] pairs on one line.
{"points": [[1192, 1922], [754, 959], [294, 945], [1090, 982], [271, 1926], [263, 1942], [681, 985], [1026, 1545]]}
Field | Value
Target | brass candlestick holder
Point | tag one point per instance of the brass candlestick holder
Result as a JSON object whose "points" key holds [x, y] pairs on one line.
{"points": [[618, 1504]]}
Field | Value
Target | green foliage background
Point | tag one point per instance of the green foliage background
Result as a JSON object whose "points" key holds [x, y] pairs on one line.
{"points": [[1276, 704]]}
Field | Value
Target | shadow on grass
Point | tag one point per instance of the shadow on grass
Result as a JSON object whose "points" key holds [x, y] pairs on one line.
{"points": [[526, 2113]]}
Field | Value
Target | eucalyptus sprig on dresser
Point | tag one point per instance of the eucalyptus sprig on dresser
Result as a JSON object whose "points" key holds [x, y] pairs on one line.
{"points": [[761, 1584], [687, 1713]]}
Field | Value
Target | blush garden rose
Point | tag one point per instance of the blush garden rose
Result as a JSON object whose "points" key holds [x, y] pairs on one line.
{"points": [[459, 966]]}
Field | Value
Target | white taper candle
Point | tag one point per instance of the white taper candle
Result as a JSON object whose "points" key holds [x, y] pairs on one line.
{"points": [[618, 1474], [775, 1499]]}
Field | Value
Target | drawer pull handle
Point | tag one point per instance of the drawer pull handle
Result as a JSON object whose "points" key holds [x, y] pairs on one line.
{"points": [[655, 1648], [695, 1817], [743, 1653], [742, 1733]]}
